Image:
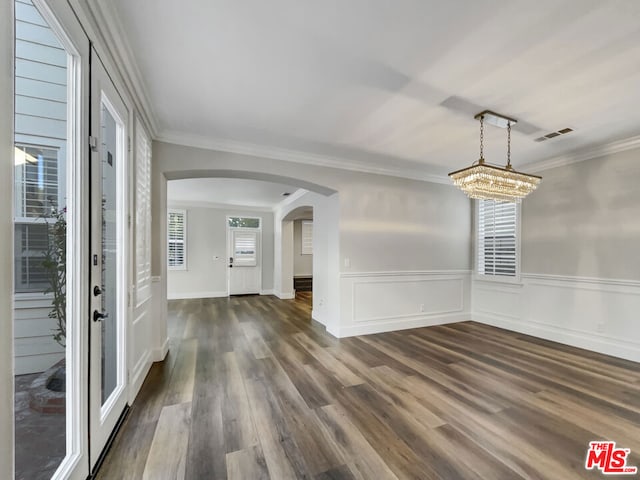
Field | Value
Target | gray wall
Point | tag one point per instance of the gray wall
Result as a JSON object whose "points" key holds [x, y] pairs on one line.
{"points": [[206, 237], [386, 223], [302, 264], [583, 220], [389, 224]]}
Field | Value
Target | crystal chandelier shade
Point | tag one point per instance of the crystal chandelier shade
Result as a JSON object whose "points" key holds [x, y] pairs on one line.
{"points": [[490, 182]]}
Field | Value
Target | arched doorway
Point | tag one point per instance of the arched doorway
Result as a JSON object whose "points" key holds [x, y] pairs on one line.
{"points": [[322, 200]]}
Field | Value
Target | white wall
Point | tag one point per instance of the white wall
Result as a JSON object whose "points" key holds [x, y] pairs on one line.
{"points": [[6, 239], [206, 238], [302, 264], [581, 270]]}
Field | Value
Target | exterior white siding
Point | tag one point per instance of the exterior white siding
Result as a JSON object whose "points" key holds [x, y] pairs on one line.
{"points": [[41, 120]]}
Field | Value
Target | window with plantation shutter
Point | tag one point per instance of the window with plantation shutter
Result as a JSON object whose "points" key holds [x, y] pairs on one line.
{"points": [[244, 249], [37, 190], [143, 215], [307, 237], [497, 238], [177, 239], [37, 183], [31, 241]]}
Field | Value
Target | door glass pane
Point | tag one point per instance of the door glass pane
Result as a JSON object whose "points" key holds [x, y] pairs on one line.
{"points": [[109, 252], [40, 252]]}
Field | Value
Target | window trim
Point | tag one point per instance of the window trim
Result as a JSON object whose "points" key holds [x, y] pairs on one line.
{"points": [[182, 267], [516, 279]]}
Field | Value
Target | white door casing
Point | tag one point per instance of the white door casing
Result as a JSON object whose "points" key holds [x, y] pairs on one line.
{"points": [[108, 382]]}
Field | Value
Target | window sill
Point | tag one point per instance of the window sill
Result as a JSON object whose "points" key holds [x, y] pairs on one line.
{"points": [[513, 281], [32, 296]]}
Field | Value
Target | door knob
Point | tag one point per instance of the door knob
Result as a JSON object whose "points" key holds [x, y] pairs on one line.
{"points": [[98, 316]]}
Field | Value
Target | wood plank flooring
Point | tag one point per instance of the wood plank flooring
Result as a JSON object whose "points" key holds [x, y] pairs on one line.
{"points": [[253, 389]]}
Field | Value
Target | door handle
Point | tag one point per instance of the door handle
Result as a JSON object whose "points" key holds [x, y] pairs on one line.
{"points": [[98, 316]]}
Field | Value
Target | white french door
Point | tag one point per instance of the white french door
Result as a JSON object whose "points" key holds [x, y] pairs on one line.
{"points": [[109, 232], [245, 271]]}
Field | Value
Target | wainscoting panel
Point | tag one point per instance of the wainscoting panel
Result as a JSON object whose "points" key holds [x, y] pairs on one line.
{"points": [[384, 301], [596, 314]]}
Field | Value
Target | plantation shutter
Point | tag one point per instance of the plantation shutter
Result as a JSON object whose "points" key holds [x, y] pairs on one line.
{"points": [[143, 216], [176, 241], [307, 238], [496, 235], [244, 249]]}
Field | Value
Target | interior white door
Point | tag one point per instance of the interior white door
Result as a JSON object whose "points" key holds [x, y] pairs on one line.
{"points": [[245, 270], [107, 358]]}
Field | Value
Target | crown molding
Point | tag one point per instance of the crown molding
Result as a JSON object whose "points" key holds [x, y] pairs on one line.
{"points": [[584, 154], [296, 156], [107, 32]]}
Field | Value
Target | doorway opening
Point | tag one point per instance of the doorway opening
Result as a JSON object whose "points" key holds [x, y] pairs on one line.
{"points": [[302, 251], [208, 197]]}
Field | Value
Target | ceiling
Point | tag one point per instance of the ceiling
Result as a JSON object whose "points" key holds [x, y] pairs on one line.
{"points": [[381, 83], [227, 191]]}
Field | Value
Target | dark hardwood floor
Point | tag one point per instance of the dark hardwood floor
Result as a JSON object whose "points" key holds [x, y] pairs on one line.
{"points": [[252, 389]]}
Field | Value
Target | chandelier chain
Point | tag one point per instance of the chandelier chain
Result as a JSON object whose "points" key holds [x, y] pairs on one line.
{"points": [[508, 144], [481, 137]]}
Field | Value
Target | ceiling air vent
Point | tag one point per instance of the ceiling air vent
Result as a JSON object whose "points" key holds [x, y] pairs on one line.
{"points": [[551, 135]]}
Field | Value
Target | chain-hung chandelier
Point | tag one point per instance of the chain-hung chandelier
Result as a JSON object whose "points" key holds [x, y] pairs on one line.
{"points": [[490, 182]]}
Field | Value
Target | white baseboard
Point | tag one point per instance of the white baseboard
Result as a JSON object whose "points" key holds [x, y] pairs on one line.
{"points": [[139, 374], [159, 354], [588, 341], [193, 295], [267, 292], [316, 316], [285, 295], [595, 314], [391, 325]]}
